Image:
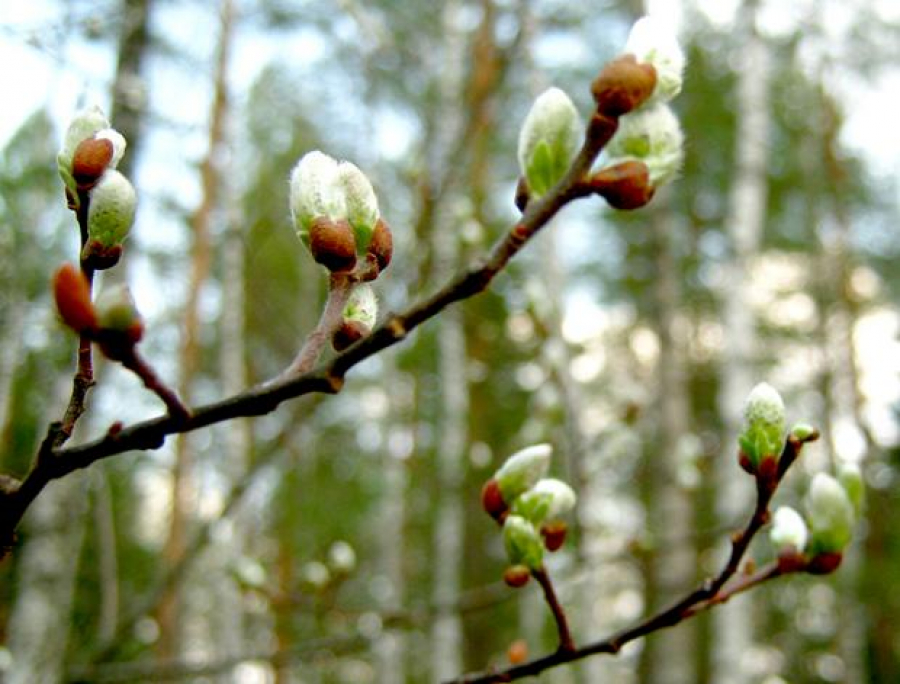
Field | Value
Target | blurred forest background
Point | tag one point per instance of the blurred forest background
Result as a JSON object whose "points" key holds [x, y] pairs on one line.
{"points": [[340, 539]]}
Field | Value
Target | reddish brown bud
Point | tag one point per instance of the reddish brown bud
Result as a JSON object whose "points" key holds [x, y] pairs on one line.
{"points": [[492, 500], [623, 86], [100, 257], [332, 243], [517, 653], [348, 333], [381, 246], [516, 576], [791, 560], [89, 161], [824, 563], [554, 534], [745, 463], [624, 186], [73, 299]]}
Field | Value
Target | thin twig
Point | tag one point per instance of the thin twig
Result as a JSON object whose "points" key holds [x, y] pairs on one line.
{"points": [[559, 615]]}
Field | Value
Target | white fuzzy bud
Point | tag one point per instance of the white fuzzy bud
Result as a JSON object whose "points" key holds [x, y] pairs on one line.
{"points": [[548, 499], [361, 204], [651, 135], [548, 140], [522, 470], [831, 515], [118, 142], [653, 42], [315, 191], [112, 209], [788, 529], [362, 305], [523, 542]]}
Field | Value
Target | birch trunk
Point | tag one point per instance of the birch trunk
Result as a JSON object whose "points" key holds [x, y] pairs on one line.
{"points": [[845, 393], [745, 221], [446, 628], [672, 507]]}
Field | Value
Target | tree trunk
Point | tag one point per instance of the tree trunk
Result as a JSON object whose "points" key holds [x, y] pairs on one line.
{"points": [[672, 507], [201, 254], [745, 221]]}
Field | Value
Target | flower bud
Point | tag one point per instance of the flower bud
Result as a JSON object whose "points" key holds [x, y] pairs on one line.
{"points": [[554, 534], [361, 204], [652, 42], [831, 515], [362, 306], [653, 136], [804, 432], [763, 435], [516, 576], [116, 312], [315, 192], [623, 86], [522, 470], [112, 209], [625, 186], [90, 160], [492, 500], [88, 124], [381, 246], [348, 333], [73, 299], [548, 141], [788, 530], [332, 243], [523, 543], [549, 498]]}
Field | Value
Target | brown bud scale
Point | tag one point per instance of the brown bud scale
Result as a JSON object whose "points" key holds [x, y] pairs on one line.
{"points": [[89, 161], [516, 576], [554, 534], [623, 85], [492, 500], [332, 243], [348, 333], [72, 293], [381, 245], [624, 186]]}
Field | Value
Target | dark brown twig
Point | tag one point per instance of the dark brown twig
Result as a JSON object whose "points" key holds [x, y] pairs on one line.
{"points": [[566, 643]]}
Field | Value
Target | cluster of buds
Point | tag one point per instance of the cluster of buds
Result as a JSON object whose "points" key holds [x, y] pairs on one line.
{"points": [[529, 506], [335, 213], [87, 165], [832, 507], [647, 149], [631, 95], [113, 321]]}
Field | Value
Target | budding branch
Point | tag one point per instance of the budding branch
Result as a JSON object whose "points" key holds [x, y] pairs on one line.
{"points": [[712, 592], [54, 461]]}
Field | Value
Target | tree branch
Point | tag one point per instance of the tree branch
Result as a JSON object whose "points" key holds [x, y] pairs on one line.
{"points": [[54, 462]]}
